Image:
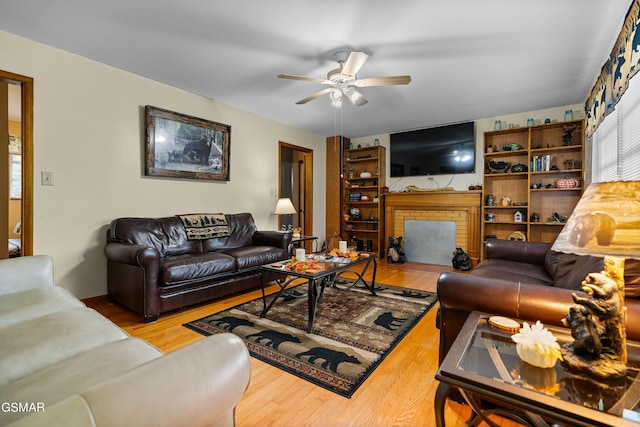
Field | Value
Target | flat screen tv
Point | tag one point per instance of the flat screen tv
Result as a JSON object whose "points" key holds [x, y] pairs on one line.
{"points": [[439, 150]]}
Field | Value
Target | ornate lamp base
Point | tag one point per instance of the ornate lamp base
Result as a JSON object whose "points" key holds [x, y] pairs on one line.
{"points": [[606, 367], [598, 324]]}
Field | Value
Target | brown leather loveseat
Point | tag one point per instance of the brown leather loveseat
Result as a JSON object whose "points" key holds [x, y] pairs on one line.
{"points": [[153, 267], [524, 280]]}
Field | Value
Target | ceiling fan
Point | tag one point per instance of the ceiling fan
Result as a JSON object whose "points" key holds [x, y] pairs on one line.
{"points": [[343, 80]]}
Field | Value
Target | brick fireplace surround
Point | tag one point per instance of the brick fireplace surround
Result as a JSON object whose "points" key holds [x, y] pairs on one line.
{"points": [[463, 207]]}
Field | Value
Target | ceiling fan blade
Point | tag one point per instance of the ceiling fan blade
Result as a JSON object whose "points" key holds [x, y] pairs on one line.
{"points": [[354, 62], [314, 96], [306, 79], [355, 97], [384, 81]]}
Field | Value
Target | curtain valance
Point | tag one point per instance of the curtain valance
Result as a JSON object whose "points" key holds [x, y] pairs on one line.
{"points": [[622, 65]]}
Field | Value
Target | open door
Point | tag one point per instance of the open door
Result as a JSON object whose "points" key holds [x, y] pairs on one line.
{"points": [[296, 183], [16, 182]]}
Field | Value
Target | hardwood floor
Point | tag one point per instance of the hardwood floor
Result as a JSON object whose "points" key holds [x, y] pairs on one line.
{"points": [[400, 392]]}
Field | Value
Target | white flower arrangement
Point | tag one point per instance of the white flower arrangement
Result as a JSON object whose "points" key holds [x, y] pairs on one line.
{"points": [[537, 346]]}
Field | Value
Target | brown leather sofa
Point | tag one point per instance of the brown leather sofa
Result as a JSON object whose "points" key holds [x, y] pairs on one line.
{"points": [[524, 280], [152, 267]]}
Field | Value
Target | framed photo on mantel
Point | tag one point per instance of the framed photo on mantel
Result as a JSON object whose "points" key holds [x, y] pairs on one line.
{"points": [[181, 146]]}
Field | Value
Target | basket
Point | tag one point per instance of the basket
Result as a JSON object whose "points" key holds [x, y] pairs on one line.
{"points": [[568, 183], [517, 235]]}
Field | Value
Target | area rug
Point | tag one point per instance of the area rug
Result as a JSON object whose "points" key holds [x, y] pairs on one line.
{"points": [[352, 334]]}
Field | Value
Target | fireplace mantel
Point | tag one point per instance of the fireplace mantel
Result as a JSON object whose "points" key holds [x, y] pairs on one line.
{"points": [[464, 207]]}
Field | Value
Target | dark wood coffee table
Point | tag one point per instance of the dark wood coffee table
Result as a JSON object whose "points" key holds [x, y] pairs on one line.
{"points": [[484, 366], [328, 273]]}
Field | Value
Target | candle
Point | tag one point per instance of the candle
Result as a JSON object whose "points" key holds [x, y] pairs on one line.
{"points": [[342, 246], [299, 254]]}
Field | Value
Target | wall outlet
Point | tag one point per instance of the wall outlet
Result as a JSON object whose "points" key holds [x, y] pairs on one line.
{"points": [[46, 178]]}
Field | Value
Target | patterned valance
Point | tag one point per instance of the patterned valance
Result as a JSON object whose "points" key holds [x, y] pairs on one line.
{"points": [[623, 63]]}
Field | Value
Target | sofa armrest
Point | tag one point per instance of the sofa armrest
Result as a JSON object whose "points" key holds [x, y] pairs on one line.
{"points": [[133, 273], [272, 238], [516, 250], [460, 294], [143, 256], [199, 385], [25, 273], [520, 300]]}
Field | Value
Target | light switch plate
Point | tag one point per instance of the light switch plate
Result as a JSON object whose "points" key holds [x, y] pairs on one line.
{"points": [[46, 178]]}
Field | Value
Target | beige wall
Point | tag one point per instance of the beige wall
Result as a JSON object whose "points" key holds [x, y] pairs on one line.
{"points": [[462, 181], [89, 131]]}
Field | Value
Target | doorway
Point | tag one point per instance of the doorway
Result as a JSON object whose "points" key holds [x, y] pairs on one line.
{"points": [[296, 183], [16, 196]]}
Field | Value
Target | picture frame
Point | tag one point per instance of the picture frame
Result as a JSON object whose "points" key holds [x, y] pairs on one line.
{"points": [[182, 146]]}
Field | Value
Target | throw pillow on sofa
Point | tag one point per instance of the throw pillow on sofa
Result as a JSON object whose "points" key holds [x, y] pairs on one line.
{"points": [[569, 270]]}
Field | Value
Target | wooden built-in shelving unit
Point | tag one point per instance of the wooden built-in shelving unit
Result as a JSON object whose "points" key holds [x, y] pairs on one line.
{"points": [[534, 191]]}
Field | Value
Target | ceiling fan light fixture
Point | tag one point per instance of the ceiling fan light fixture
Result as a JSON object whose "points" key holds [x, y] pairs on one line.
{"points": [[343, 80], [336, 95], [352, 94], [355, 97]]}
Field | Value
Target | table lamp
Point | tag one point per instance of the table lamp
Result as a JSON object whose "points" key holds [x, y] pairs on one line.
{"points": [[285, 207], [604, 223]]}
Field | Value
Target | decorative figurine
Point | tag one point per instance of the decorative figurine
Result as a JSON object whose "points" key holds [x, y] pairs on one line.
{"points": [[537, 346], [461, 260], [395, 253], [355, 214], [597, 326], [567, 138], [518, 216]]}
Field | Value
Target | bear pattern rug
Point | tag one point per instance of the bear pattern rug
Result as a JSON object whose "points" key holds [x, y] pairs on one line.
{"points": [[353, 331]]}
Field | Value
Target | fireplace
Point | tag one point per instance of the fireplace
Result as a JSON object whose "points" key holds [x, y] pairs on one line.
{"points": [[429, 242], [459, 207]]}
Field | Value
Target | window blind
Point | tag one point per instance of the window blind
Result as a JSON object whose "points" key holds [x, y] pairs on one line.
{"points": [[616, 142]]}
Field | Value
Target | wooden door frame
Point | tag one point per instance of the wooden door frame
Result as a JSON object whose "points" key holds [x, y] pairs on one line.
{"points": [[308, 183], [26, 84]]}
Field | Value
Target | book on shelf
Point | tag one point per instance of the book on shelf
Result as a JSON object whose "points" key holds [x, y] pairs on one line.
{"points": [[540, 163]]}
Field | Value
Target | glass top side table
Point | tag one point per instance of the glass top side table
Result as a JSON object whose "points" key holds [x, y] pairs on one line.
{"points": [[484, 366]]}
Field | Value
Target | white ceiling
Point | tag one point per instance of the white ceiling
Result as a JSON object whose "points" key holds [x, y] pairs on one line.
{"points": [[469, 59]]}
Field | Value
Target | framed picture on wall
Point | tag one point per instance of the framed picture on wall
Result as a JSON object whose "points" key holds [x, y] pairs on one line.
{"points": [[182, 146]]}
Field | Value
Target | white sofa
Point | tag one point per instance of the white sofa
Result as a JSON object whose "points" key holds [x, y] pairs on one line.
{"points": [[62, 363]]}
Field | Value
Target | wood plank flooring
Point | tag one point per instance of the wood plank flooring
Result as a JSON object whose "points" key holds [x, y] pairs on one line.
{"points": [[400, 392]]}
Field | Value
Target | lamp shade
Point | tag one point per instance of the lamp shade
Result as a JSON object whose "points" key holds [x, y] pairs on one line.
{"points": [[605, 222], [285, 207]]}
